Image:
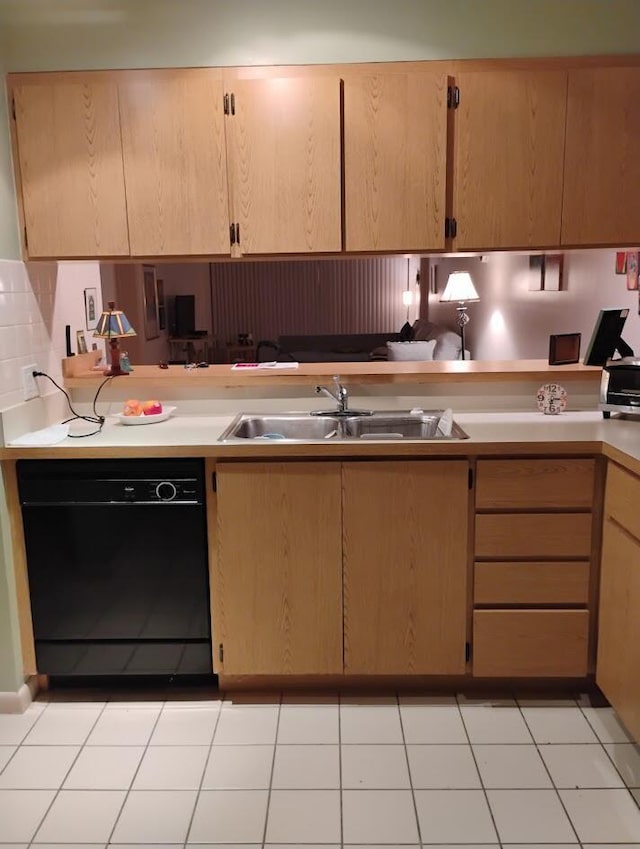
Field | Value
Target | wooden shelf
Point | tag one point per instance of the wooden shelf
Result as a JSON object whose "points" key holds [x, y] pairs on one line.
{"points": [[77, 374]]}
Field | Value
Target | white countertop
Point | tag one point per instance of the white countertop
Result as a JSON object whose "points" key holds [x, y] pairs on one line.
{"points": [[202, 432]]}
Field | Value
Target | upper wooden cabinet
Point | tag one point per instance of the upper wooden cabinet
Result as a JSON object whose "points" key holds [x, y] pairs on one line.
{"points": [[395, 153], [70, 167], [285, 164], [602, 163], [509, 145], [173, 142]]}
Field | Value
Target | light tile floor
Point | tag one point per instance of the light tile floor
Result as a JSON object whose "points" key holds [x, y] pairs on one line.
{"points": [[131, 771]]}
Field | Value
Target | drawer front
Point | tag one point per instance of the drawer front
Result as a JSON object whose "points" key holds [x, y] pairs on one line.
{"points": [[531, 583], [534, 536], [530, 643], [513, 484], [622, 496]]}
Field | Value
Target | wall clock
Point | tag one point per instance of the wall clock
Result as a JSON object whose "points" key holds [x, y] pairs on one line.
{"points": [[552, 399]]}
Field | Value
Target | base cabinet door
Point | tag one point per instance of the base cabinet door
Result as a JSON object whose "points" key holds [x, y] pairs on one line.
{"points": [[405, 566], [277, 576], [618, 665]]}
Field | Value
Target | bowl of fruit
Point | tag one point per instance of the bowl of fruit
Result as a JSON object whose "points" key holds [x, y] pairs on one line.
{"points": [[137, 412]]}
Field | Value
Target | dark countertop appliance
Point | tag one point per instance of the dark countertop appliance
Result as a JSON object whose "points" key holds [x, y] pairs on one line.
{"points": [[620, 387], [118, 568]]}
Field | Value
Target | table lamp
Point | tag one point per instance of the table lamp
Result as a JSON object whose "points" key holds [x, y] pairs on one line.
{"points": [[114, 325], [460, 288]]}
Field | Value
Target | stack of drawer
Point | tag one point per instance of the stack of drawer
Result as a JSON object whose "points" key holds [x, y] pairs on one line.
{"points": [[532, 564]]}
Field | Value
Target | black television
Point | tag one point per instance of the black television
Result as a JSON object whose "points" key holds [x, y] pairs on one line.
{"points": [[606, 338]]}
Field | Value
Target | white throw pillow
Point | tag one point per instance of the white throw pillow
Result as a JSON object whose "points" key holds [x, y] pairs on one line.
{"points": [[414, 351]]}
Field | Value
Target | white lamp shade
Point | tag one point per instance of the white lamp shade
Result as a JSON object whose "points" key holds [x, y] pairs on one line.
{"points": [[460, 288]]}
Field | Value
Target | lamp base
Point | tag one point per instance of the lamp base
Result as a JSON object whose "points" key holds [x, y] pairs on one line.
{"points": [[111, 372]]}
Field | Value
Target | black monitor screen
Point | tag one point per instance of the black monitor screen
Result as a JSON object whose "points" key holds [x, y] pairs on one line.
{"points": [[605, 339]]}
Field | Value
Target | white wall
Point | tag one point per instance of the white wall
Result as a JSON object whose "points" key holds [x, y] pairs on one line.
{"points": [[76, 34], [511, 322], [9, 241]]}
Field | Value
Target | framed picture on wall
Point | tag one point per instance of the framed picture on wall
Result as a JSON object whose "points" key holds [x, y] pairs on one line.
{"points": [[150, 293], [632, 270], [91, 308]]}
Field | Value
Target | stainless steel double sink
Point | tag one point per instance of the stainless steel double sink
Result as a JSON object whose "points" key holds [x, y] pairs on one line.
{"points": [[383, 425]]}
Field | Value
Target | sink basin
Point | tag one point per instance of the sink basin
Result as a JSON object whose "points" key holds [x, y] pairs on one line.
{"points": [[400, 426], [303, 427]]}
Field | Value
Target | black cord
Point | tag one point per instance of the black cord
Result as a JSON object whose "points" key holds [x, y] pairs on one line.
{"points": [[94, 419]]}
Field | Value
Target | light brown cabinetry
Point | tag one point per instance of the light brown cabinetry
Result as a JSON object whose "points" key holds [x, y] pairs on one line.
{"points": [[602, 168], [69, 167], [305, 551], [395, 152], [618, 664], [285, 164], [173, 144], [405, 566], [532, 574], [277, 576], [509, 147]]}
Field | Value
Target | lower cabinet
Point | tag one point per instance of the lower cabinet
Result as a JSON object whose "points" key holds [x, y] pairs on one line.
{"points": [[532, 571], [277, 569], [618, 664], [405, 567], [287, 536]]}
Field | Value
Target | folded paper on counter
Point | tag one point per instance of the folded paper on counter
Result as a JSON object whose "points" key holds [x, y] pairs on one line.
{"points": [[47, 436]]}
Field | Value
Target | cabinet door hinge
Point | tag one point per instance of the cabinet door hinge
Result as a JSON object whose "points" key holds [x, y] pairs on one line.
{"points": [[453, 97], [237, 233], [26, 238], [221, 653], [13, 107], [232, 233], [233, 103], [450, 228], [467, 652], [225, 104], [470, 478]]}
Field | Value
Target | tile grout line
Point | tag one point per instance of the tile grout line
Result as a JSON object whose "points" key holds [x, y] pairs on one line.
{"points": [[544, 763], [137, 770], [25, 735], [608, 755], [340, 769], [80, 750], [204, 772], [475, 761], [273, 765], [406, 757]]}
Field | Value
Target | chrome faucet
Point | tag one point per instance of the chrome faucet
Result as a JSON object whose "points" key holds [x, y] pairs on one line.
{"points": [[340, 396]]}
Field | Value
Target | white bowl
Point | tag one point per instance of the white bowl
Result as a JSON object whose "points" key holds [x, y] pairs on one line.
{"points": [[143, 420]]}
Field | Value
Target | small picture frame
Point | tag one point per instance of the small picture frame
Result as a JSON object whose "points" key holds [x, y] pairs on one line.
{"points": [[621, 262], [564, 348], [81, 342], [632, 271], [91, 308]]}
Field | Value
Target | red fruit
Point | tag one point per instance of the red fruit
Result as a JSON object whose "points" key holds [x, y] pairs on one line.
{"points": [[152, 408]]}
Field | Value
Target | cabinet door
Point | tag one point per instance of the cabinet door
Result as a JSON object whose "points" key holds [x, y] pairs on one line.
{"points": [[70, 163], [509, 144], [277, 584], [174, 158], [395, 149], [602, 167], [618, 665], [285, 165], [405, 566]]}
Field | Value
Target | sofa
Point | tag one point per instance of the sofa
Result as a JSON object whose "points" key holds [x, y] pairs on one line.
{"points": [[427, 341]]}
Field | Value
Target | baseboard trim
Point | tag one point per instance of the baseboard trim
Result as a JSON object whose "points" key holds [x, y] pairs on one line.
{"points": [[18, 702]]}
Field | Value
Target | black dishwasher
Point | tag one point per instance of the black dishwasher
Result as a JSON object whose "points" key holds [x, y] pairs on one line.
{"points": [[117, 565]]}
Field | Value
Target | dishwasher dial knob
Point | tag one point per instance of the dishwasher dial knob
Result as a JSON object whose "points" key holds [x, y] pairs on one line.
{"points": [[166, 491]]}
